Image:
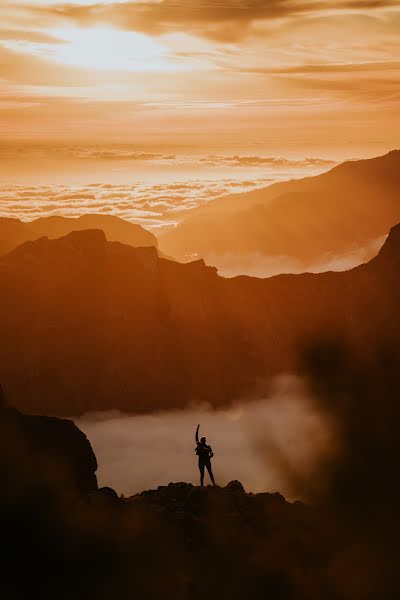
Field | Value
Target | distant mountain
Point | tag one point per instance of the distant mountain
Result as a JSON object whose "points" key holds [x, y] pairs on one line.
{"points": [[14, 232], [88, 324], [304, 222]]}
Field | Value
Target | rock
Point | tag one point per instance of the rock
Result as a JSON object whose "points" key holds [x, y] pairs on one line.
{"points": [[105, 496], [235, 486], [47, 450]]}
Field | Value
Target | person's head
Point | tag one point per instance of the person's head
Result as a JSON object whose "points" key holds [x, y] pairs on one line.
{"points": [[203, 440]]}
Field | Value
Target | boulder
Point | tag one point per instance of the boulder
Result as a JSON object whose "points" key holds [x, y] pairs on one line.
{"points": [[235, 486]]}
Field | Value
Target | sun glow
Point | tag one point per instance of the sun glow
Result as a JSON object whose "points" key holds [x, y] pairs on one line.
{"points": [[109, 49], [102, 49]]}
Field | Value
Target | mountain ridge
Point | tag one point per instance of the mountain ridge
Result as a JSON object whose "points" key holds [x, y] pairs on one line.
{"points": [[14, 232], [89, 324], [300, 220]]}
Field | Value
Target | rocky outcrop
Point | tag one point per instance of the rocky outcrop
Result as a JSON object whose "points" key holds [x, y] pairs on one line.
{"points": [[186, 501], [45, 451], [235, 485], [66, 538]]}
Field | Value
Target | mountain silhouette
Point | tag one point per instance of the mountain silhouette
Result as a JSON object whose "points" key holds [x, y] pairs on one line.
{"points": [[306, 220], [89, 324], [14, 232]]}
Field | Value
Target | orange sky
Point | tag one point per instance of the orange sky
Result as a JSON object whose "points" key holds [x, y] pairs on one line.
{"points": [[296, 76]]}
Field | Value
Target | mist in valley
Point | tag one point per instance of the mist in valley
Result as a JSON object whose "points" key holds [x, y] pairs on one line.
{"points": [[139, 452], [257, 264]]}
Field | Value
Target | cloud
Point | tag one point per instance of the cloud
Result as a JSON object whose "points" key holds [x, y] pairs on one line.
{"points": [[83, 152], [257, 161], [217, 20], [261, 265], [126, 155], [142, 452], [360, 4], [255, 89], [29, 35], [227, 21], [146, 204], [361, 91], [184, 182], [27, 69], [327, 68]]}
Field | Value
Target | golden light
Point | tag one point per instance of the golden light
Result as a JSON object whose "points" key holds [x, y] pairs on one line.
{"points": [[103, 48], [106, 48]]}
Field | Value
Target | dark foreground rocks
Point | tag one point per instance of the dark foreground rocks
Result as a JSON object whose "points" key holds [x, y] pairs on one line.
{"points": [[36, 448], [176, 542], [63, 538]]}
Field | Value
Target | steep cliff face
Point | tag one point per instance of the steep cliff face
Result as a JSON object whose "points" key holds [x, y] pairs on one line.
{"points": [[89, 324], [96, 327]]}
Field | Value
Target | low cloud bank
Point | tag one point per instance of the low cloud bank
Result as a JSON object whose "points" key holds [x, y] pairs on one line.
{"points": [[249, 440], [261, 265]]}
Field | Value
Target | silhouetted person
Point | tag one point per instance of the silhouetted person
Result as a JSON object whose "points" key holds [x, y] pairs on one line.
{"points": [[205, 454]]}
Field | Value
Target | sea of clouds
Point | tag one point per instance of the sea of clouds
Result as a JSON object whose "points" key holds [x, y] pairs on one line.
{"points": [[153, 189], [150, 205]]}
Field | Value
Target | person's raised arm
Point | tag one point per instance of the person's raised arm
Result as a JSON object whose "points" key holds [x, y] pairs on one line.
{"points": [[197, 434]]}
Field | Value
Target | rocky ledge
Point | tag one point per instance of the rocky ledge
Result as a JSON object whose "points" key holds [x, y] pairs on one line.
{"points": [[65, 539]]}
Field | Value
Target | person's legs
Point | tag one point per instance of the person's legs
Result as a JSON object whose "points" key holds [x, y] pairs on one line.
{"points": [[209, 469], [201, 467]]}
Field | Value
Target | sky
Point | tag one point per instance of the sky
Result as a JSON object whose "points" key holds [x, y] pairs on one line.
{"points": [[262, 78]]}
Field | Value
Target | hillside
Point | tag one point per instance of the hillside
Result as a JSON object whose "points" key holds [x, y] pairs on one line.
{"points": [[306, 222], [93, 325], [14, 232]]}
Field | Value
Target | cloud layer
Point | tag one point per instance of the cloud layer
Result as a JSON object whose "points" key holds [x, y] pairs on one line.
{"points": [[142, 452], [155, 189], [223, 21]]}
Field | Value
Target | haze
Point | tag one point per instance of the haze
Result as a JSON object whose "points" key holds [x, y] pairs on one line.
{"points": [[249, 441]]}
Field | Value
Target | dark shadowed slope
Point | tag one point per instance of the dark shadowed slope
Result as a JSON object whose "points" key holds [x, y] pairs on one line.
{"points": [[88, 324], [14, 232], [308, 220], [44, 453]]}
